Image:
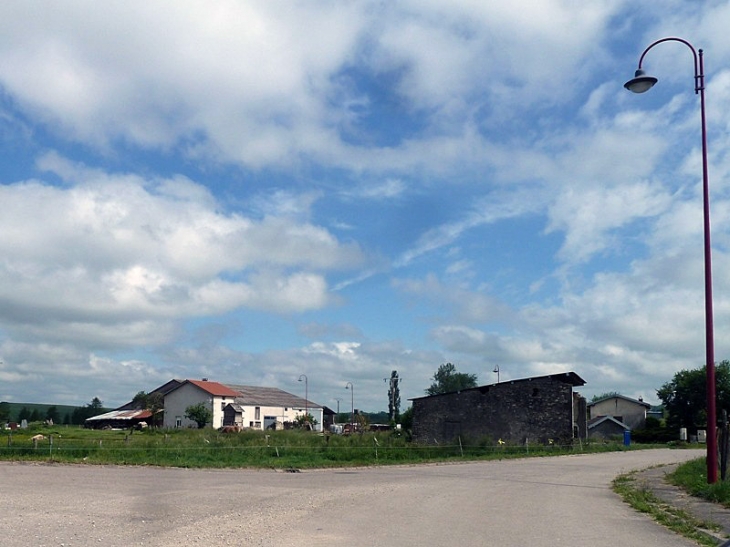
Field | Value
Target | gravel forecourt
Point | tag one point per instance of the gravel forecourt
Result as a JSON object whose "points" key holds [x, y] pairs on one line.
{"points": [[563, 500]]}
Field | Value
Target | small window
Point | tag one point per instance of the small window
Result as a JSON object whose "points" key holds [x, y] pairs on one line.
{"points": [[257, 413], [178, 421]]}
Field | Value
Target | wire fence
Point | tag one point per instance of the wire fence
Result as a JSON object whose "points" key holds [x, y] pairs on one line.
{"points": [[225, 452]]}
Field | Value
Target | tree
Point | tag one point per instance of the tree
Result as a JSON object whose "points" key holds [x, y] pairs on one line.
{"points": [[53, 415], [154, 402], [24, 414], [140, 400], [199, 413], [394, 397], [606, 395], [407, 419], [305, 421], [4, 412], [81, 413], [446, 379], [685, 396]]}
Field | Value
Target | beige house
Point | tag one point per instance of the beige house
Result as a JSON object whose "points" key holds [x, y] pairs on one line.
{"points": [[236, 405], [629, 412]]}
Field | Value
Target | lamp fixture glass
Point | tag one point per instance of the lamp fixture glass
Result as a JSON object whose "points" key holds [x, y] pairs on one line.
{"points": [[640, 82]]}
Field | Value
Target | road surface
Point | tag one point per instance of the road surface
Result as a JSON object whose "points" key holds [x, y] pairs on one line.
{"points": [[561, 501]]}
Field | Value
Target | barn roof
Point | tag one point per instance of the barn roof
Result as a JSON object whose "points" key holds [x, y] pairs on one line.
{"points": [[214, 388], [269, 396], [566, 377], [164, 389], [121, 415]]}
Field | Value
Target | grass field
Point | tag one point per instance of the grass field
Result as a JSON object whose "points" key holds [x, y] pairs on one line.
{"points": [[277, 449]]}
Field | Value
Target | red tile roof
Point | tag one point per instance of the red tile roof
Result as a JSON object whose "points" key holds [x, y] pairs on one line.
{"points": [[214, 388]]}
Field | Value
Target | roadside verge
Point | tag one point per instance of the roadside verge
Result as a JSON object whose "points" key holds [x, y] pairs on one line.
{"points": [[649, 492]]}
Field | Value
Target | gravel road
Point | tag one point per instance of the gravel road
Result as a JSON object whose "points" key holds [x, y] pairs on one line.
{"points": [[539, 501]]}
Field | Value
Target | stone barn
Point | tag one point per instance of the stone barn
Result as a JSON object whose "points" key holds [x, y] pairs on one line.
{"points": [[533, 410]]}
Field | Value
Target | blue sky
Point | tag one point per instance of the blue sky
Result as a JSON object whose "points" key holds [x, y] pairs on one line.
{"points": [[251, 191]]}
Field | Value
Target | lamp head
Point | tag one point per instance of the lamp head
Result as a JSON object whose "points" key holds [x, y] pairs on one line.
{"points": [[640, 82]]}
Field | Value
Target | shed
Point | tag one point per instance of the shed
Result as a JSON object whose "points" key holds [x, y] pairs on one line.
{"points": [[606, 427], [533, 410]]}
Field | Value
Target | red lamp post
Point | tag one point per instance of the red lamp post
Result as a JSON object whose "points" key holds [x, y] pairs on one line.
{"points": [[639, 84]]}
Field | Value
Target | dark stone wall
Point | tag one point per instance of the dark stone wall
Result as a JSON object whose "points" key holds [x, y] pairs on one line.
{"points": [[580, 416], [534, 409]]}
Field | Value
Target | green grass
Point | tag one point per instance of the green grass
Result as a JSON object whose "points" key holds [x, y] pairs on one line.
{"points": [[639, 496], [692, 477], [277, 449]]}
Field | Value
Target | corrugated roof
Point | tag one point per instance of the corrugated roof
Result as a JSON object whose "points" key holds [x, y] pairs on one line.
{"points": [[122, 415], [270, 396], [214, 388]]}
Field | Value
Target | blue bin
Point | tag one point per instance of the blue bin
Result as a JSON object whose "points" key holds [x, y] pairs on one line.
{"points": [[627, 437]]}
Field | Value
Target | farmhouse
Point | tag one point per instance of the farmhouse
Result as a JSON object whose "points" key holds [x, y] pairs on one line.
{"points": [[529, 410], [268, 408], [237, 405], [615, 414]]}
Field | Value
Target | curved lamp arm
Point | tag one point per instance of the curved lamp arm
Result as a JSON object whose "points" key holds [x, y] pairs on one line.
{"points": [[641, 82]]}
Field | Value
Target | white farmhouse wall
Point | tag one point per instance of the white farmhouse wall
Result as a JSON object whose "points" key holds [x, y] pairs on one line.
{"points": [[255, 416], [186, 395]]}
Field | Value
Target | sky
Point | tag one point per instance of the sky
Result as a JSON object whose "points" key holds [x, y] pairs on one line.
{"points": [[253, 191]]}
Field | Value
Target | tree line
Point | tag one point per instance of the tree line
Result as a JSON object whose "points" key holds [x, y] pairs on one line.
{"points": [[77, 416]]}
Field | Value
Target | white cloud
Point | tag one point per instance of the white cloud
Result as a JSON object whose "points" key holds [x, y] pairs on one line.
{"points": [[114, 253], [254, 82], [495, 115]]}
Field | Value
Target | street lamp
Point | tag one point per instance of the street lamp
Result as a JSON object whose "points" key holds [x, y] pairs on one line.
{"points": [[306, 396], [639, 84], [349, 386]]}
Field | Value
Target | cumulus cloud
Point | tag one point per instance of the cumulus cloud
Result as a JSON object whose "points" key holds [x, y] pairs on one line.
{"points": [[430, 133], [117, 253], [261, 84]]}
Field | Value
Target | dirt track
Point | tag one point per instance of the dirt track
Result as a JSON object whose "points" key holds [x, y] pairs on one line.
{"points": [[541, 501]]}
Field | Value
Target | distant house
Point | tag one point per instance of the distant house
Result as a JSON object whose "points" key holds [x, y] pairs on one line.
{"points": [[532, 410], [237, 405], [629, 412], [605, 427]]}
